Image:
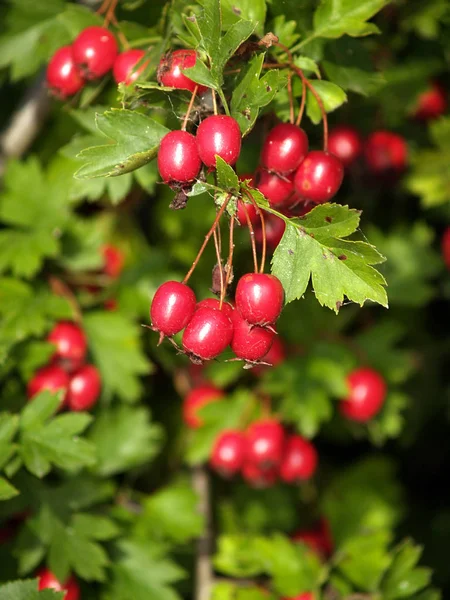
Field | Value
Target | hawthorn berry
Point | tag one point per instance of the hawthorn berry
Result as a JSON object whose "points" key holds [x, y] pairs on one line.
{"points": [[299, 460], [242, 210], [51, 377], [431, 104], [346, 143], [319, 177], [228, 453], [124, 69], [259, 298], [302, 596], [218, 135], [47, 580], [196, 399], [385, 152], [178, 158], [172, 308], [170, 70], [284, 148], [71, 345], [265, 443], [63, 77], [366, 397], [275, 356], [94, 51], [257, 477], [113, 261], [445, 246], [275, 228], [276, 189], [214, 303], [250, 342], [84, 388], [207, 334], [318, 538]]}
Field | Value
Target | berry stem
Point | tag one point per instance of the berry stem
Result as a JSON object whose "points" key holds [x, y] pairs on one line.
{"points": [[302, 105], [291, 98], [214, 100], [189, 108], [207, 237], [219, 264], [103, 7], [109, 16], [224, 101], [252, 237], [60, 288], [310, 86], [123, 40], [229, 266], [263, 231]]}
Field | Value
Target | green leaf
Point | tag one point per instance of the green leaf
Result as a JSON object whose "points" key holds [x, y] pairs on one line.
{"points": [[332, 97], [354, 79], [8, 428], [226, 176], [334, 18], [134, 142], [124, 438], [314, 248], [7, 490], [202, 75], [230, 42], [249, 10], [27, 590], [404, 579], [210, 26]]}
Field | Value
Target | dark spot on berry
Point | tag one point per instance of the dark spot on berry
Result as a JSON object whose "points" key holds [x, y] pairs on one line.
{"points": [[328, 219], [342, 257]]}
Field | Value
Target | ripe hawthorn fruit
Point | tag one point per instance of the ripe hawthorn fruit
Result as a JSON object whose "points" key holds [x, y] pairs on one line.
{"points": [[385, 152], [196, 399], [114, 260], [170, 70], [178, 158], [84, 388], [47, 580], [52, 378], [172, 308], [259, 298], [265, 443], [284, 148], [218, 135], [71, 345], [278, 190], [431, 104], [319, 177], [215, 303], [299, 460], [445, 247], [228, 453], [257, 477], [275, 228], [366, 397], [124, 69], [207, 334], [63, 77], [95, 51], [250, 342], [346, 143]]}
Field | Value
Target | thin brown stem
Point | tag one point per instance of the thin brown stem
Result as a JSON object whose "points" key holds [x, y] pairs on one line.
{"points": [[310, 86], [229, 266], [109, 16], [302, 105], [263, 232], [123, 40], [291, 98], [189, 108], [252, 236], [207, 237], [60, 288], [219, 264], [103, 7]]}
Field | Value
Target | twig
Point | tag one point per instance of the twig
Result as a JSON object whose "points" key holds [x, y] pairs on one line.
{"points": [[219, 264], [229, 266], [302, 105], [252, 236], [203, 568], [189, 108], [291, 98]]}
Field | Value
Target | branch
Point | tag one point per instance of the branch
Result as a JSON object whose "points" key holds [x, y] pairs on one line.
{"points": [[203, 568]]}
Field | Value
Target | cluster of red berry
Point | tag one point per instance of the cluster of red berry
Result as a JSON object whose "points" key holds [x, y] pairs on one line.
{"points": [[47, 580], [91, 56]]}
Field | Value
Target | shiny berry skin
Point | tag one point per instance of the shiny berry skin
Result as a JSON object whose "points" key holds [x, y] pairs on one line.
{"points": [[259, 298], [257, 477], [113, 261], [275, 356], [124, 70], [265, 443], [228, 453], [346, 143], [63, 77], [94, 51], [284, 148], [385, 152], [250, 342], [48, 581], [431, 104], [275, 228], [196, 399], [445, 247], [171, 67], [214, 303], [84, 388], [277, 190], [242, 209], [299, 460], [319, 177], [208, 333], [71, 345], [218, 135], [178, 158], [172, 307], [367, 395], [51, 377]]}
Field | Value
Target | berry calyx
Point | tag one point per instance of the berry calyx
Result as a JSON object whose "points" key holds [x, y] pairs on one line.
{"points": [[47, 580], [170, 70], [228, 453], [445, 246], [214, 303], [172, 308], [431, 104], [250, 342], [319, 177], [284, 148], [207, 334], [346, 143], [51, 377], [63, 77], [124, 69], [276, 189], [196, 399], [94, 51], [178, 158], [218, 135], [385, 152], [299, 460], [259, 298], [71, 345], [366, 397], [84, 388], [257, 477], [265, 443], [113, 261]]}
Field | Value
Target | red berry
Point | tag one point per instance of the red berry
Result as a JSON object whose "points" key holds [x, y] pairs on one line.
{"points": [[47, 580], [71, 344], [172, 307], [367, 395], [257, 477], [385, 151], [218, 135], [208, 333], [445, 247], [170, 70], [63, 77], [228, 453], [275, 356], [242, 209], [214, 303], [84, 388], [51, 377], [198, 397], [113, 261], [319, 177], [259, 298], [178, 159], [346, 143], [303, 596], [124, 70], [431, 104], [284, 148], [275, 228], [94, 51], [318, 539], [265, 443], [276, 189], [299, 460], [250, 342]]}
